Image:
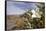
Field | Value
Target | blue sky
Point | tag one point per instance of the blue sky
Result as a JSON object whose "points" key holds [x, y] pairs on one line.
{"points": [[18, 8]]}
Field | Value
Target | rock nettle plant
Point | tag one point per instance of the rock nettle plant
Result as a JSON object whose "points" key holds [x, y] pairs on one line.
{"points": [[28, 22]]}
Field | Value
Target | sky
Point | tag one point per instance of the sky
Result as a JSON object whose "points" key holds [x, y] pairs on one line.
{"points": [[18, 8]]}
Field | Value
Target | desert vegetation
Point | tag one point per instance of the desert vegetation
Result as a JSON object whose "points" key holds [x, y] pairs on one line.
{"points": [[27, 21]]}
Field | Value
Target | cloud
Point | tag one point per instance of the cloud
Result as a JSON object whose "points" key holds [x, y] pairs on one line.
{"points": [[18, 8], [13, 10]]}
